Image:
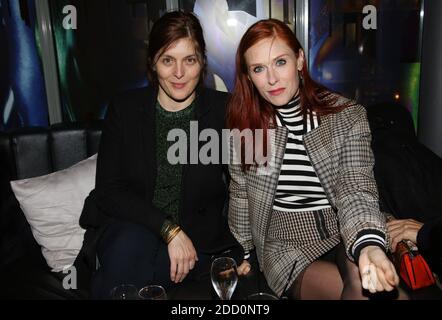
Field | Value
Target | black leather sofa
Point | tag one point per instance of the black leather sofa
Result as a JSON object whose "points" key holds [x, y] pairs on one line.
{"points": [[24, 274]]}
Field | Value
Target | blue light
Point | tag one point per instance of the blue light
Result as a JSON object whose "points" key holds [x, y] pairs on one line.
{"points": [[8, 106], [25, 75]]}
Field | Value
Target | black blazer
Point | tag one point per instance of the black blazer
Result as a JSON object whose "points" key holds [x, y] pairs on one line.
{"points": [[429, 242], [127, 169]]}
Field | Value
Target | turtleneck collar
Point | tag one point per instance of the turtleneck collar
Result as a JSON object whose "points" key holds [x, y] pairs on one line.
{"points": [[295, 101]]}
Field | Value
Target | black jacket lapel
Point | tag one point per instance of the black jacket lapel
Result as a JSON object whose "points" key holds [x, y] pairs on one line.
{"points": [[147, 130]]}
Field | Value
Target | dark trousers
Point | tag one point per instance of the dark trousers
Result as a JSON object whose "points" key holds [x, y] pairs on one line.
{"points": [[131, 254]]}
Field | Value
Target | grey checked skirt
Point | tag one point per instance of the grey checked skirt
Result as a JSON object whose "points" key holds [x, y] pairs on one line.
{"points": [[295, 240]]}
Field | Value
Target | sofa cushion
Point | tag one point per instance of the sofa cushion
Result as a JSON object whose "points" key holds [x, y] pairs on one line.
{"points": [[52, 205]]}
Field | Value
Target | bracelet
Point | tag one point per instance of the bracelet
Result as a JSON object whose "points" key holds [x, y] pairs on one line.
{"points": [[167, 227], [172, 234]]}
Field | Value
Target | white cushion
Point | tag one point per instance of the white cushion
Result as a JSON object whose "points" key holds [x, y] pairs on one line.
{"points": [[52, 205]]}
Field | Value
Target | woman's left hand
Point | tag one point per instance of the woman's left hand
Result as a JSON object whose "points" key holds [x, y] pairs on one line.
{"points": [[377, 271], [244, 268]]}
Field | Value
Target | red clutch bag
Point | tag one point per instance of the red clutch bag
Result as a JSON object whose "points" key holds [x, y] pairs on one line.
{"points": [[412, 267]]}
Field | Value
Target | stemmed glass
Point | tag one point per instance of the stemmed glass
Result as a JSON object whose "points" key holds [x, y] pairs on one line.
{"points": [[153, 292], [124, 292], [262, 296], [224, 277]]}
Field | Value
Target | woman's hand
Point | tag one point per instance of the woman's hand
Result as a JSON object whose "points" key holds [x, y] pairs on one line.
{"points": [[244, 268], [377, 271], [405, 229], [182, 255]]}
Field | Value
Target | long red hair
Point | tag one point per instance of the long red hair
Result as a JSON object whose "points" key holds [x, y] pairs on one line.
{"points": [[247, 109]]}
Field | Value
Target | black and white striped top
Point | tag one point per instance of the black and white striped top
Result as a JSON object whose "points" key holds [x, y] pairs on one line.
{"points": [[299, 188]]}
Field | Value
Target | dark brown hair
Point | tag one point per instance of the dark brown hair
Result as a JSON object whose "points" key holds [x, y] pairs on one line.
{"points": [[172, 27]]}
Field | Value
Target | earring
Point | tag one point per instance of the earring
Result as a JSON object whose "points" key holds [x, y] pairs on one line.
{"points": [[301, 79]]}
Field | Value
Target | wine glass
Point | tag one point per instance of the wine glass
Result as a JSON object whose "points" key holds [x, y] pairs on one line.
{"points": [[224, 277], [262, 296], [153, 292], [124, 292]]}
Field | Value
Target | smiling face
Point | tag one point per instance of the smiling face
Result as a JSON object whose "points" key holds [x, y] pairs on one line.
{"points": [[178, 70], [273, 68]]}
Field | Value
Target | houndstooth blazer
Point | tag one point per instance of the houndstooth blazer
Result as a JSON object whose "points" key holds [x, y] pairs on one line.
{"points": [[341, 155]]}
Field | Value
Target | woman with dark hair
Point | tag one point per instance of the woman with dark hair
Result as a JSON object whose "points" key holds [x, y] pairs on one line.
{"points": [[314, 218], [159, 222]]}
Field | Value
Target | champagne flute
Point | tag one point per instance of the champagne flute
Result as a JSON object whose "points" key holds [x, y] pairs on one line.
{"points": [[124, 292], [262, 296], [153, 292], [224, 277]]}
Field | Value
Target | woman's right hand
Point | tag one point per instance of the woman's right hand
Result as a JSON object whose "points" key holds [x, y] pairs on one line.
{"points": [[244, 268], [403, 229], [377, 271], [182, 255]]}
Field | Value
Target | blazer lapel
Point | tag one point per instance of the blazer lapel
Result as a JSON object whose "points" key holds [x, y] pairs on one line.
{"points": [[265, 180], [147, 132], [202, 107], [319, 144], [319, 140]]}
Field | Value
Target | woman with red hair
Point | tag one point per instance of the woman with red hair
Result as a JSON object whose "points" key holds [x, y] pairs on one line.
{"points": [[314, 219]]}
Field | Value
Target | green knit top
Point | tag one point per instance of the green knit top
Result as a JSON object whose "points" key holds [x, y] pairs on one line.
{"points": [[167, 193]]}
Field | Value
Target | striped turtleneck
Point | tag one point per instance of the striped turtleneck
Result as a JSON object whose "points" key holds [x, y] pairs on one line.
{"points": [[299, 188]]}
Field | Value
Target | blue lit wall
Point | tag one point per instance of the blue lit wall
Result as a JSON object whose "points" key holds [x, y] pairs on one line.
{"points": [[23, 100], [372, 66]]}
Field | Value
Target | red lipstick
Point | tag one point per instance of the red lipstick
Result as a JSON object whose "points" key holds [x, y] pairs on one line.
{"points": [[276, 92]]}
